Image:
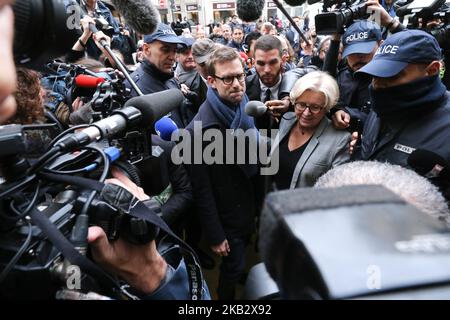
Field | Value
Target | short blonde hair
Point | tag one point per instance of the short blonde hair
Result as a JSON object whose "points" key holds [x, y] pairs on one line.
{"points": [[317, 81]]}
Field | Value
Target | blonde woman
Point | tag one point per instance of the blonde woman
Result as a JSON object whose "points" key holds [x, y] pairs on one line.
{"points": [[307, 144]]}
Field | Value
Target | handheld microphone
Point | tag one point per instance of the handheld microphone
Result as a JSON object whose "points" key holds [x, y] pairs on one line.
{"points": [[255, 108], [164, 127], [86, 81], [141, 15], [429, 164], [249, 10], [156, 105]]}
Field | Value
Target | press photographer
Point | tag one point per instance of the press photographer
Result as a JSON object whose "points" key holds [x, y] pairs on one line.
{"points": [[97, 13], [70, 188]]}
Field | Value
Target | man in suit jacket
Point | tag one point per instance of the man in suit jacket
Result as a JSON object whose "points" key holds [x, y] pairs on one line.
{"points": [[225, 191], [264, 85]]}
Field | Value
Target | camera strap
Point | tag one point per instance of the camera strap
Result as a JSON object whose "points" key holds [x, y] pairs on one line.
{"points": [[139, 210]]}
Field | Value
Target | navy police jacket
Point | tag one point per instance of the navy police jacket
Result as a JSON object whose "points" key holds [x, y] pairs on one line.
{"points": [[429, 131]]}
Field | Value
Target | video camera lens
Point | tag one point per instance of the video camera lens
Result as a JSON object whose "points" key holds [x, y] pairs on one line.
{"points": [[43, 31]]}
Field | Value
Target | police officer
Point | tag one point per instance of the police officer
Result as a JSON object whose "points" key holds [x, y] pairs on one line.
{"points": [[410, 104], [156, 74], [360, 41]]}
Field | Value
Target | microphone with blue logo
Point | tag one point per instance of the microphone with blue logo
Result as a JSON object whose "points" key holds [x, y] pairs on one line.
{"points": [[164, 127]]}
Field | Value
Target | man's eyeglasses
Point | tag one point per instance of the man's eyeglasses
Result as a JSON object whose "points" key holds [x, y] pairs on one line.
{"points": [[230, 79], [313, 108]]}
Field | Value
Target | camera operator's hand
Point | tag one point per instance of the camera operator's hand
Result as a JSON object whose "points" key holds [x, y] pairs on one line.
{"points": [[81, 43], [341, 119], [221, 249], [77, 104], [382, 17], [98, 36], [85, 21], [140, 265], [123, 181]]}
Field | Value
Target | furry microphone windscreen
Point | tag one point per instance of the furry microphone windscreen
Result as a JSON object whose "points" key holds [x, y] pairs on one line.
{"points": [[249, 10], [141, 15]]}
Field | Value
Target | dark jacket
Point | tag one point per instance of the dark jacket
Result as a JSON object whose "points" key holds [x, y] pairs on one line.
{"points": [[149, 79], [354, 96], [160, 172], [225, 197], [199, 89], [236, 46], [253, 91], [429, 131]]}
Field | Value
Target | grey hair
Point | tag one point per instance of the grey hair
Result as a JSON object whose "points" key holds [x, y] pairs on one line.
{"points": [[404, 182], [317, 81]]}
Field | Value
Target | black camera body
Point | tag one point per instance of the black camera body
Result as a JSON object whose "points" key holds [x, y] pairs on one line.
{"points": [[345, 13]]}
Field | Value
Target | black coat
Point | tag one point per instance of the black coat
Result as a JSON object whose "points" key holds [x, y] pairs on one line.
{"points": [[225, 196], [200, 89], [150, 80], [158, 173], [429, 131], [354, 96]]}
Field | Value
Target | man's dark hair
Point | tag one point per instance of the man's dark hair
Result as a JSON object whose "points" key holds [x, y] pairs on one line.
{"points": [[267, 43], [254, 35], [238, 27], [221, 55]]}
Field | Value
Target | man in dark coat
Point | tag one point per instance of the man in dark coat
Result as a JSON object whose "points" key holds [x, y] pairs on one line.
{"points": [[224, 191], [155, 72], [410, 104]]}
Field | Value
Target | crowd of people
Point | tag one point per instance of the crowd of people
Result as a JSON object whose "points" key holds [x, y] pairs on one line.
{"points": [[373, 93]]}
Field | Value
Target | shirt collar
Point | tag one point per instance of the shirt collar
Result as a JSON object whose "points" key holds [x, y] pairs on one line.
{"points": [[273, 88]]}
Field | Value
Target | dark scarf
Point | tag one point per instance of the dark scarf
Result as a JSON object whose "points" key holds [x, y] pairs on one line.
{"points": [[408, 100], [231, 116], [153, 70]]}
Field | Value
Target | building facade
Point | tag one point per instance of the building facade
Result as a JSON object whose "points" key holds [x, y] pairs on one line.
{"points": [[204, 12]]}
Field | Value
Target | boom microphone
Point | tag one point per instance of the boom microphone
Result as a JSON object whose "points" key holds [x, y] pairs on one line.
{"points": [[141, 15], [255, 108], [249, 10], [85, 81], [156, 105], [140, 111]]}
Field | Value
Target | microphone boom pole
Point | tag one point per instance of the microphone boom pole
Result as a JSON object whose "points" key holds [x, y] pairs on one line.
{"points": [[286, 14], [117, 61]]}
